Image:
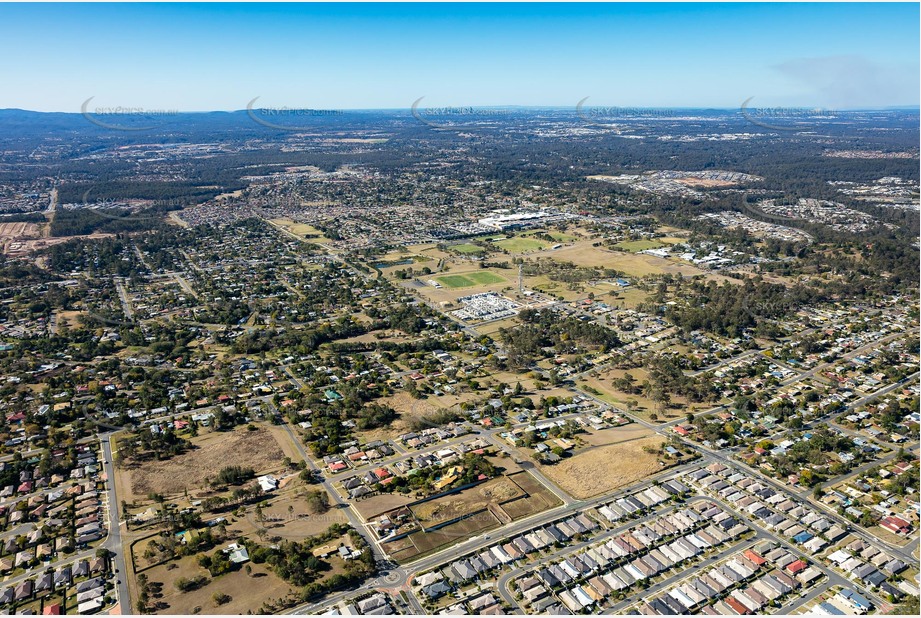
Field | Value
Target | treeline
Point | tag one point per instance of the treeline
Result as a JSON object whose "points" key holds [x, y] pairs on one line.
{"points": [[171, 194], [23, 217], [78, 222], [732, 309], [546, 330], [295, 562], [328, 435], [234, 475]]}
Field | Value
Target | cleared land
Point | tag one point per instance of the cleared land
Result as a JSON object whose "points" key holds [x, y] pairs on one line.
{"points": [[644, 407], [411, 410], [615, 435], [257, 449], [494, 491], [483, 507], [247, 592], [632, 264], [605, 468], [369, 508], [301, 230]]}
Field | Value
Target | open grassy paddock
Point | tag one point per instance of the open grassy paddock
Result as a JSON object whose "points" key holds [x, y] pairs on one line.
{"points": [[520, 244], [606, 468], [634, 246]]}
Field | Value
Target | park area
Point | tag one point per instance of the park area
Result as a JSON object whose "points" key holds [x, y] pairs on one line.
{"points": [[466, 248], [520, 244]]}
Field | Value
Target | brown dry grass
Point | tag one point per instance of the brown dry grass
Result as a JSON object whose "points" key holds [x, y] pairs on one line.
{"points": [[616, 435], [495, 491], [633, 264], [247, 591], [605, 468], [256, 449], [369, 508], [20, 229]]}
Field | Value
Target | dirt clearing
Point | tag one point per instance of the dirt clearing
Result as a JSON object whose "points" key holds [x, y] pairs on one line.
{"points": [[605, 468], [256, 449]]}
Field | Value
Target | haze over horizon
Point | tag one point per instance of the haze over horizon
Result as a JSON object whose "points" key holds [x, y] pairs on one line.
{"points": [[375, 57]]}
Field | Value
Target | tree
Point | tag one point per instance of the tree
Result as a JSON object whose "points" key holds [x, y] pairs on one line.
{"points": [[317, 501], [221, 598]]}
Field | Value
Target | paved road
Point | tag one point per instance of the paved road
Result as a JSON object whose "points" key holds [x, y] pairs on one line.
{"points": [[569, 506], [849, 355], [354, 519], [126, 302], [113, 541], [727, 460], [517, 571], [405, 573]]}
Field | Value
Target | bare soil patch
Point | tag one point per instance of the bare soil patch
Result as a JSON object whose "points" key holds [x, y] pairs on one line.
{"points": [[256, 449], [495, 491], [368, 508], [605, 468], [247, 592]]}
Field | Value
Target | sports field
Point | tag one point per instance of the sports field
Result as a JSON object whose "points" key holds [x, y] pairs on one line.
{"points": [[638, 245], [466, 248], [470, 279], [519, 244]]}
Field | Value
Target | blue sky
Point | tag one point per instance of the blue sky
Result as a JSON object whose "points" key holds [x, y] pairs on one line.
{"points": [[335, 56]]}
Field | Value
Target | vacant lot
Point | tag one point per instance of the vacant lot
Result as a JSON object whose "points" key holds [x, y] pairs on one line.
{"points": [[247, 592], [301, 230], [256, 449], [494, 491], [483, 508], [616, 435], [605, 468], [643, 406], [20, 229], [582, 253], [411, 410], [286, 515], [371, 507], [418, 544], [538, 498]]}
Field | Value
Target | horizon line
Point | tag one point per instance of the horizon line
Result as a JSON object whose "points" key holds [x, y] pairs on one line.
{"points": [[142, 111]]}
